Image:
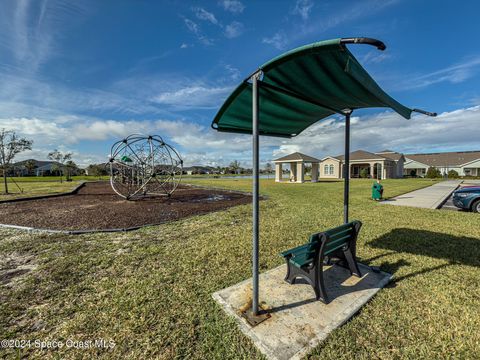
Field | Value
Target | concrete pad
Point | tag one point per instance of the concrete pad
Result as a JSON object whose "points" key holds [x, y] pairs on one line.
{"points": [[298, 322], [431, 197]]}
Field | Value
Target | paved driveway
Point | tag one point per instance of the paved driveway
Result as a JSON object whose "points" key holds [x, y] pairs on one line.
{"points": [[430, 197]]}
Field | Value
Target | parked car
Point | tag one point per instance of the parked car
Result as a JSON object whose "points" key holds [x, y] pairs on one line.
{"points": [[467, 198]]}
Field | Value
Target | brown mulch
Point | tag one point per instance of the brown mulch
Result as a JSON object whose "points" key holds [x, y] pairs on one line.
{"points": [[97, 207]]}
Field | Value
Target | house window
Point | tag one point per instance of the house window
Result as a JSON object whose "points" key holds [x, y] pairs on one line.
{"points": [[331, 169], [325, 170]]}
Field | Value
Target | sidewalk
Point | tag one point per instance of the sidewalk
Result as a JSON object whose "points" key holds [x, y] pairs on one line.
{"points": [[429, 198]]}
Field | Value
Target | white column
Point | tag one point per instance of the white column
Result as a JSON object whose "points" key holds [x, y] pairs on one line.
{"points": [[293, 171], [300, 172], [278, 172], [314, 172]]}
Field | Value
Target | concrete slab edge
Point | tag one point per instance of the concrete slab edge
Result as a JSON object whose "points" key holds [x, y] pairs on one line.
{"points": [[245, 327]]}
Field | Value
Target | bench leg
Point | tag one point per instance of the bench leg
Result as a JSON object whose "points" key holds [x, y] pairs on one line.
{"points": [[320, 292], [352, 263], [292, 273], [313, 276]]}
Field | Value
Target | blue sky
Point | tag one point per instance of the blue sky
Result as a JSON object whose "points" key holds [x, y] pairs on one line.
{"points": [[79, 75]]}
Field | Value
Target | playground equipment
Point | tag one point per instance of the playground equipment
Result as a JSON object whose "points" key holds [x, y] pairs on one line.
{"points": [[144, 165]]}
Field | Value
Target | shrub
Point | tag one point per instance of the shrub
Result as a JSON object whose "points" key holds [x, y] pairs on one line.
{"points": [[433, 173], [364, 173], [453, 174]]}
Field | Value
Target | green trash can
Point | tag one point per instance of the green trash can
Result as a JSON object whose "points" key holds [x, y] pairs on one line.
{"points": [[377, 190]]}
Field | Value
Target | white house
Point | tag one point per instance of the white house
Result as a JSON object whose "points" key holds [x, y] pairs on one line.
{"points": [[465, 163]]}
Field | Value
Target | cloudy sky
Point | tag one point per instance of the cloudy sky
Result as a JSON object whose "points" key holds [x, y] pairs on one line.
{"points": [[79, 75]]}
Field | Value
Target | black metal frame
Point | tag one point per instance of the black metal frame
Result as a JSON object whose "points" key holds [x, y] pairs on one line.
{"points": [[364, 40], [313, 272]]}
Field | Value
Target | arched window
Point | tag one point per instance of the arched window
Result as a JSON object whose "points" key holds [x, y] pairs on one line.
{"points": [[325, 169], [331, 169]]}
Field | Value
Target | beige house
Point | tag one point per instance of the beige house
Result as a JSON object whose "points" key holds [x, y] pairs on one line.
{"points": [[297, 162], [382, 165], [386, 164]]}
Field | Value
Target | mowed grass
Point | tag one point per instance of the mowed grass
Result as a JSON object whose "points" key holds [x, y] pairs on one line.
{"points": [[35, 188], [37, 179], [150, 291]]}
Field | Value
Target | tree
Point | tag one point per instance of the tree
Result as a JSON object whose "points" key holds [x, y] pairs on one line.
{"points": [[71, 168], [30, 165], [234, 166], [10, 146], [97, 170], [433, 173], [61, 158], [54, 169], [268, 168]]}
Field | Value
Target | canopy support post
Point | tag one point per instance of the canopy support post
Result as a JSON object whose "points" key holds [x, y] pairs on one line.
{"points": [[255, 220], [346, 169]]}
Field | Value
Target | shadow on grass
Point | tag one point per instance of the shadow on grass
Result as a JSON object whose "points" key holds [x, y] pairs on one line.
{"points": [[457, 250]]}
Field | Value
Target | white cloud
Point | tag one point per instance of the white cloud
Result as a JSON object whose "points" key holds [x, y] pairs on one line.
{"points": [[303, 8], [234, 29], [450, 131], [278, 40], [375, 57], [203, 14], [184, 46], [453, 74], [198, 144], [193, 27], [199, 96], [29, 29], [32, 96], [233, 72], [326, 21], [234, 6]]}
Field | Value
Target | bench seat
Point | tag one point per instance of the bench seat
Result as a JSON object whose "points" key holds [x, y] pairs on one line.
{"points": [[307, 260]]}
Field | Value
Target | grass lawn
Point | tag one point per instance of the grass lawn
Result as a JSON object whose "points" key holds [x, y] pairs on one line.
{"points": [[36, 179], [35, 188], [150, 290]]}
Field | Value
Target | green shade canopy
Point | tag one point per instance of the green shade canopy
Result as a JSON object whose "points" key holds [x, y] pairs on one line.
{"points": [[303, 86]]}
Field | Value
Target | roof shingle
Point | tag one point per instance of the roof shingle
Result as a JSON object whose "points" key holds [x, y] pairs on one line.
{"points": [[296, 156], [445, 159]]}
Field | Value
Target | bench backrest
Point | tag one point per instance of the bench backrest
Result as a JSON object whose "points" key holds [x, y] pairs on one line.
{"points": [[335, 238]]}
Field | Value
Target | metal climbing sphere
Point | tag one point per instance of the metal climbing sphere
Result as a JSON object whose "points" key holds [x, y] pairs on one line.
{"points": [[144, 165]]}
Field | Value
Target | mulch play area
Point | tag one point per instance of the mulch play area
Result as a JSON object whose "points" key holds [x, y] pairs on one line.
{"points": [[96, 207]]}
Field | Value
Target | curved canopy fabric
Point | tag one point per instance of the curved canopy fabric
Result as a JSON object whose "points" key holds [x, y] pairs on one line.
{"points": [[301, 87]]}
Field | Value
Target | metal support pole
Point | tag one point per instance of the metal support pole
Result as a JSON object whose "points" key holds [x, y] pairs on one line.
{"points": [[346, 171], [255, 220]]}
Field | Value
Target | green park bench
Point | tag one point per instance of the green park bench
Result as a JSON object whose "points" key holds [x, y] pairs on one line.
{"points": [[307, 260]]}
